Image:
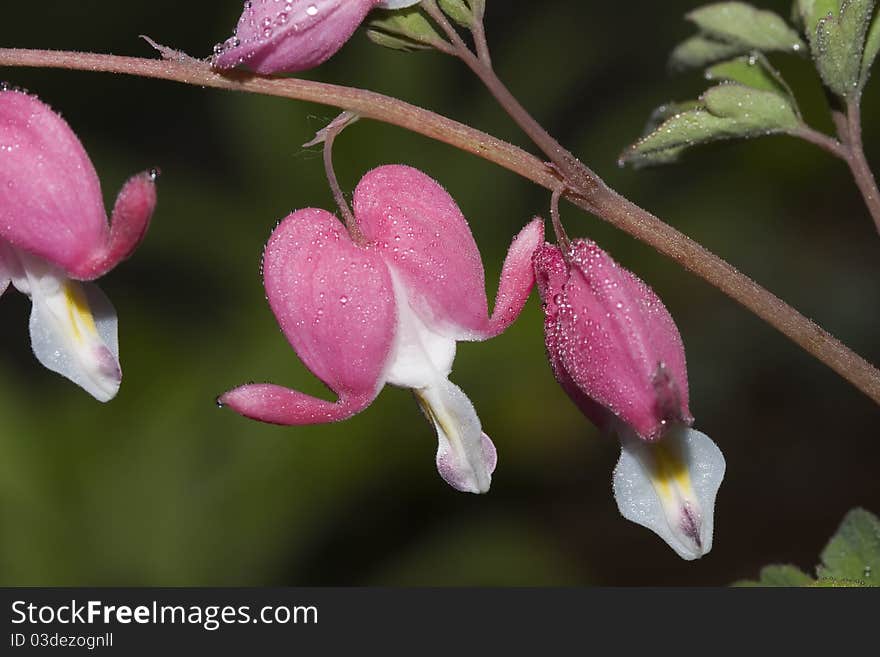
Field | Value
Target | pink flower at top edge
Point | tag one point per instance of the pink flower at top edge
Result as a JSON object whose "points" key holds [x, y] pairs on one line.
{"points": [[285, 36]]}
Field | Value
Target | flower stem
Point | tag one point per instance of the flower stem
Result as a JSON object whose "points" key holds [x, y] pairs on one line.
{"points": [[849, 148], [596, 197], [577, 176], [828, 144], [558, 228], [858, 163], [328, 135]]}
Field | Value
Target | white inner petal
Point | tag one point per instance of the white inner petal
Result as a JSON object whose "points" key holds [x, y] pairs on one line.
{"points": [[421, 357], [422, 360], [73, 326], [670, 486]]}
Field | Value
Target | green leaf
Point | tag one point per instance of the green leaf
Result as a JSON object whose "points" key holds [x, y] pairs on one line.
{"points": [[403, 29], [754, 111], [458, 10], [698, 51], [809, 12], [394, 42], [724, 112], [752, 71], [658, 117], [838, 45], [740, 23], [667, 111], [853, 553], [779, 575], [872, 47]]}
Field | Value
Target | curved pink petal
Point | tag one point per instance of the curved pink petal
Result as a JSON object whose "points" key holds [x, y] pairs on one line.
{"points": [[130, 220], [278, 405], [278, 36], [517, 279], [335, 304], [420, 231], [619, 344], [50, 196]]}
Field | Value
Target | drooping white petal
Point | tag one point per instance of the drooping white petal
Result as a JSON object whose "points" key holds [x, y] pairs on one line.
{"points": [[466, 457], [421, 359], [72, 326], [670, 486]]}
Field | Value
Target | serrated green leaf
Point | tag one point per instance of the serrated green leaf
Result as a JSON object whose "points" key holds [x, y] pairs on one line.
{"points": [[698, 51], [752, 71], [676, 134], [727, 111], [404, 24], [755, 111], [838, 44], [458, 10], [779, 575], [395, 42], [657, 118], [667, 111], [872, 47], [742, 24], [853, 553]]}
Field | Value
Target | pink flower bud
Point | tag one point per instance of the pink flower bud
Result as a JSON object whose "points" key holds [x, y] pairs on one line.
{"points": [[617, 353], [285, 36], [390, 310], [611, 340], [54, 232]]}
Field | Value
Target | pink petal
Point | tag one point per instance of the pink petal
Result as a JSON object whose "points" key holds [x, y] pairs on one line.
{"points": [[278, 405], [291, 35], [517, 279], [617, 343], [420, 231], [552, 275], [335, 304], [50, 196], [131, 218]]}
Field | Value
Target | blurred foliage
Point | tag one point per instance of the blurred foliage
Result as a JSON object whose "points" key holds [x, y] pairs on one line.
{"points": [[753, 99], [851, 558], [160, 487]]}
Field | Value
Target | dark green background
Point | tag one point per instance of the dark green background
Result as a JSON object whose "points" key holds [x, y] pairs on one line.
{"points": [[160, 487]]}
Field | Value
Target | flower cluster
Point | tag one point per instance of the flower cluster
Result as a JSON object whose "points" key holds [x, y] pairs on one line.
{"points": [[382, 299]]}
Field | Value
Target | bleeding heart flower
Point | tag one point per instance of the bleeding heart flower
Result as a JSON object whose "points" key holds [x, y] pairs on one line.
{"points": [[285, 36], [616, 351], [54, 233], [388, 308]]}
